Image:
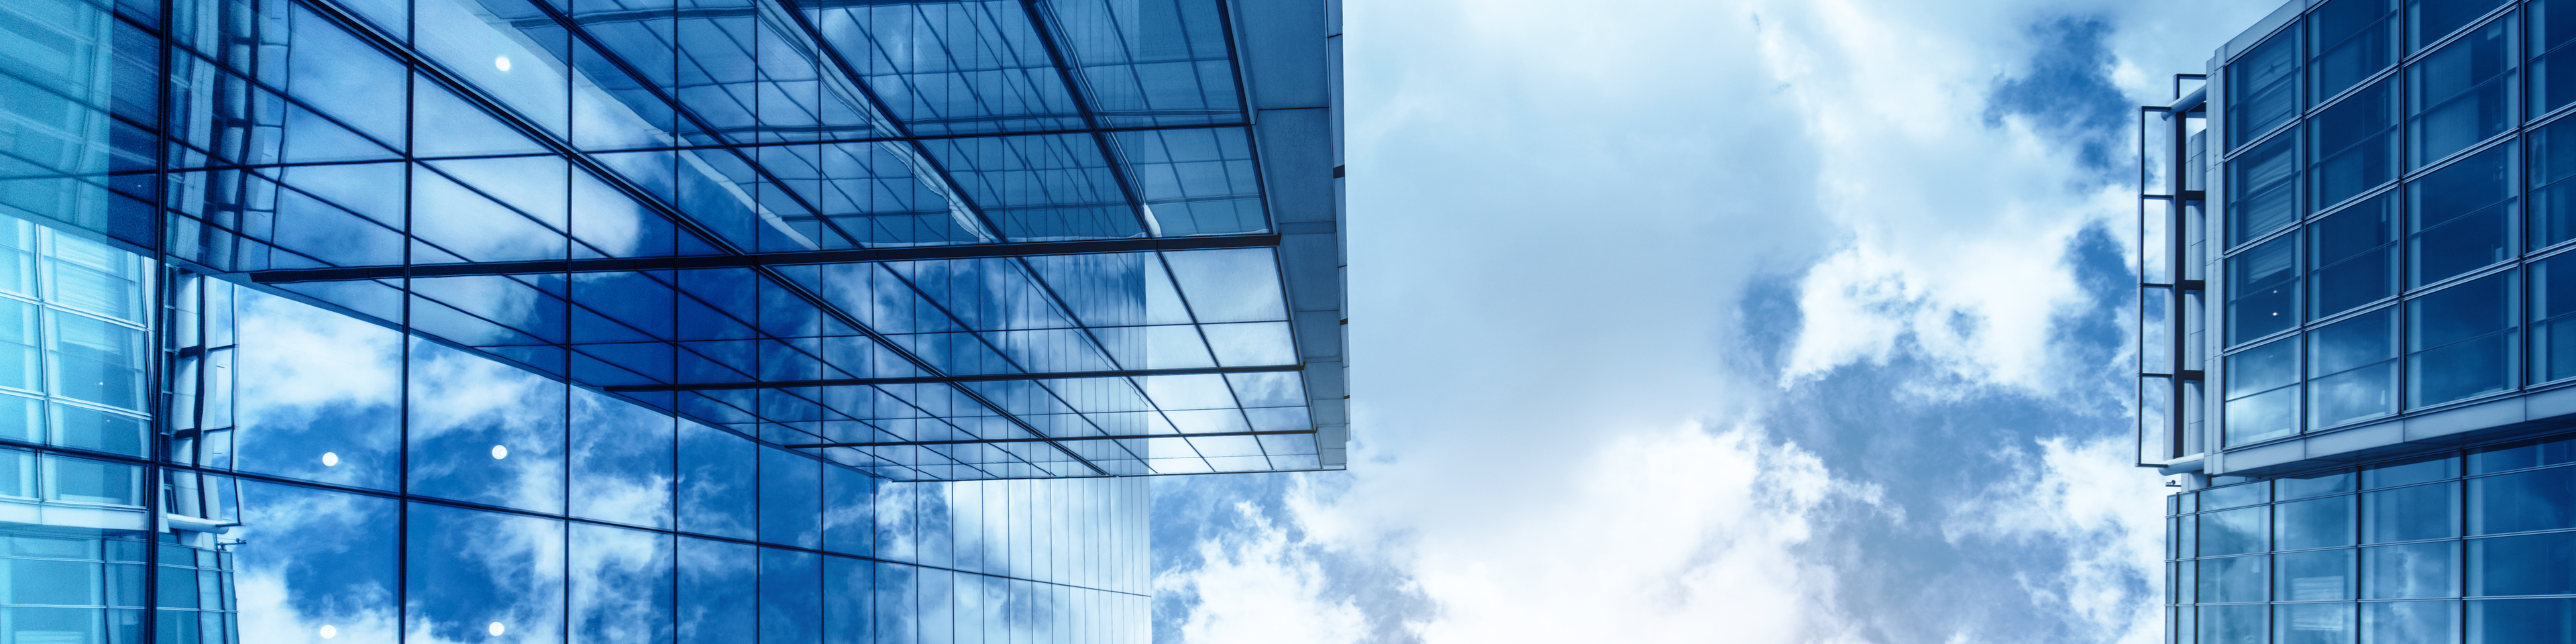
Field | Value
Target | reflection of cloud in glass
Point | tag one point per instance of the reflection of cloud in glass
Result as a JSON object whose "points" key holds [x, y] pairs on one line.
{"points": [[621, 461], [314, 559], [621, 585], [313, 382], [463, 406], [469, 569]]}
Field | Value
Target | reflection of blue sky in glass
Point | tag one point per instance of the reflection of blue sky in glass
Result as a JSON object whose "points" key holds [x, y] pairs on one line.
{"points": [[315, 558], [321, 383], [470, 569]]}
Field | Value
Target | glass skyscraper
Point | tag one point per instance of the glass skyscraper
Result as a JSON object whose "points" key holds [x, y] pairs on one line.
{"points": [[2357, 330], [813, 321]]}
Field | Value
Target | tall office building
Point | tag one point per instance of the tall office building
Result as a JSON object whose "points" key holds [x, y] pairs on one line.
{"points": [[813, 321], [2356, 333]]}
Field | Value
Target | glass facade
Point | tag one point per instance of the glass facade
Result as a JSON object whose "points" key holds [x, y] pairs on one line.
{"points": [[640, 320], [2383, 458], [2474, 546]]}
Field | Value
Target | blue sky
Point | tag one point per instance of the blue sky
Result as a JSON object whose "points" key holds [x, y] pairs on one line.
{"points": [[1730, 320]]}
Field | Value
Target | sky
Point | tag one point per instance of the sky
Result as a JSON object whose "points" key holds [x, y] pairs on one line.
{"points": [[1721, 320]]}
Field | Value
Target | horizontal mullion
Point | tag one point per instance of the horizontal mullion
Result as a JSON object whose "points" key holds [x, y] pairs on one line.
{"points": [[958, 251], [917, 380], [1050, 439]]}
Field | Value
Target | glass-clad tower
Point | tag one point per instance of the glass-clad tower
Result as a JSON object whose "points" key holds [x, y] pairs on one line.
{"points": [[812, 321], [2357, 326]]}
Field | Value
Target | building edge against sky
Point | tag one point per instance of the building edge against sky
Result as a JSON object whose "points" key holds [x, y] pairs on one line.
{"points": [[2353, 328], [648, 320]]}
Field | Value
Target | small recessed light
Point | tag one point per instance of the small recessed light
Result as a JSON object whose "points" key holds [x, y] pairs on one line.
{"points": [[500, 451], [501, 62]]}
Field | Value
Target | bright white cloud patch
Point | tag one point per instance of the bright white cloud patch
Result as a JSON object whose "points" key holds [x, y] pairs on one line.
{"points": [[1258, 590], [1717, 552], [2088, 496]]}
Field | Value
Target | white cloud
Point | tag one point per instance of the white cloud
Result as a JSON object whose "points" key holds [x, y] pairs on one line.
{"points": [[1555, 212], [2087, 495], [1715, 552], [1259, 590]]}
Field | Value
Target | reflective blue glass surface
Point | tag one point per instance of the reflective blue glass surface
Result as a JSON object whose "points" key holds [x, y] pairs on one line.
{"points": [[643, 320]]}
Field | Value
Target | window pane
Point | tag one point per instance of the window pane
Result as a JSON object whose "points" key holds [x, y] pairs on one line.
{"points": [[2463, 93], [2461, 216], [328, 401], [2433, 19], [2409, 472], [2535, 500], [622, 461], [2233, 623], [2522, 621], [2234, 579], [2312, 624], [2354, 257], [2539, 564], [2353, 369], [719, 591], [2409, 571], [2407, 514], [2234, 531], [2353, 145], [717, 496], [2461, 340], [318, 558], [472, 573], [621, 585], [2242, 494], [2262, 88], [485, 432], [2553, 161], [2321, 575], [2553, 312], [2523, 454], [2263, 290], [2352, 40], [2553, 64], [2316, 523], [791, 492], [2308, 485], [2260, 189], [2409, 623], [791, 608]]}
